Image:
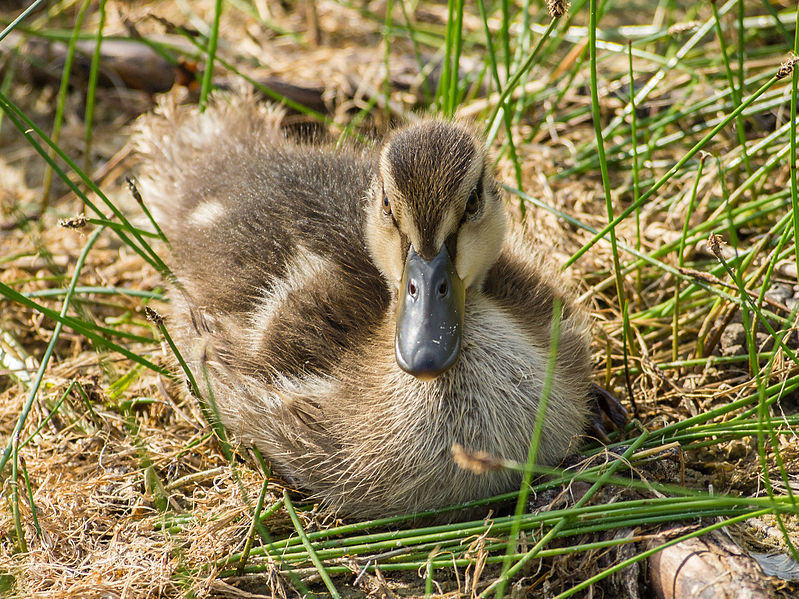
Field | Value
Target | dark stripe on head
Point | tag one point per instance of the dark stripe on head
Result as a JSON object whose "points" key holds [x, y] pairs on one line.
{"points": [[428, 163]]}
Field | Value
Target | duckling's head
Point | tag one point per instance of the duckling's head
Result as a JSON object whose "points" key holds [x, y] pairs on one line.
{"points": [[435, 225]]}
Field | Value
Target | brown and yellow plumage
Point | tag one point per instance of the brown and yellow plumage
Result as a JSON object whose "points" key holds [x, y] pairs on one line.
{"points": [[290, 260]]}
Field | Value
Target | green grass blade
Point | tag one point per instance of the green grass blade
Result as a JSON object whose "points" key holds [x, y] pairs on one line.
{"points": [[213, 41]]}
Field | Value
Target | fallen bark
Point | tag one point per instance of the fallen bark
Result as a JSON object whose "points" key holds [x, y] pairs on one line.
{"points": [[707, 567], [132, 64]]}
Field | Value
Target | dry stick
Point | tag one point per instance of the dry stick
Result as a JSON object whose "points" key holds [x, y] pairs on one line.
{"points": [[708, 564], [621, 565]]}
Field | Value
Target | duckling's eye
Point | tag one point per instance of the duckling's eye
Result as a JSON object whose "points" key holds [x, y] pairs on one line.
{"points": [[473, 203], [386, 206]]}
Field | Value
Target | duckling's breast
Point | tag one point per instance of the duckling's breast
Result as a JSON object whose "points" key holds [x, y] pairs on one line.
{"points": [[397, 433]]}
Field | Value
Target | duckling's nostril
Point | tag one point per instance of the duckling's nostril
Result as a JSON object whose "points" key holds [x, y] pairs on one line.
{"points": [[442, 289], [413, 290]]}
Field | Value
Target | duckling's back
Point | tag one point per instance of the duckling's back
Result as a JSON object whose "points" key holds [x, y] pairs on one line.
{"points": [[251, 216]]}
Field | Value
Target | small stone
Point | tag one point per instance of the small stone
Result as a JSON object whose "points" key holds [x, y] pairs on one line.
{"points": [[780, 292], [732, 350], [733, 338], [786, 268]]}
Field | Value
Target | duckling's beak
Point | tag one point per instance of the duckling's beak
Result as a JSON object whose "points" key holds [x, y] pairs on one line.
{"points": [[429, 315]]}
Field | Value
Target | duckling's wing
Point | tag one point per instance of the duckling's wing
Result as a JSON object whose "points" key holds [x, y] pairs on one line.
{"points": [[267, 236]]}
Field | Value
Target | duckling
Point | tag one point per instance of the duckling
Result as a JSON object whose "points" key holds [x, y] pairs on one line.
{"points": [[354, 314]]}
